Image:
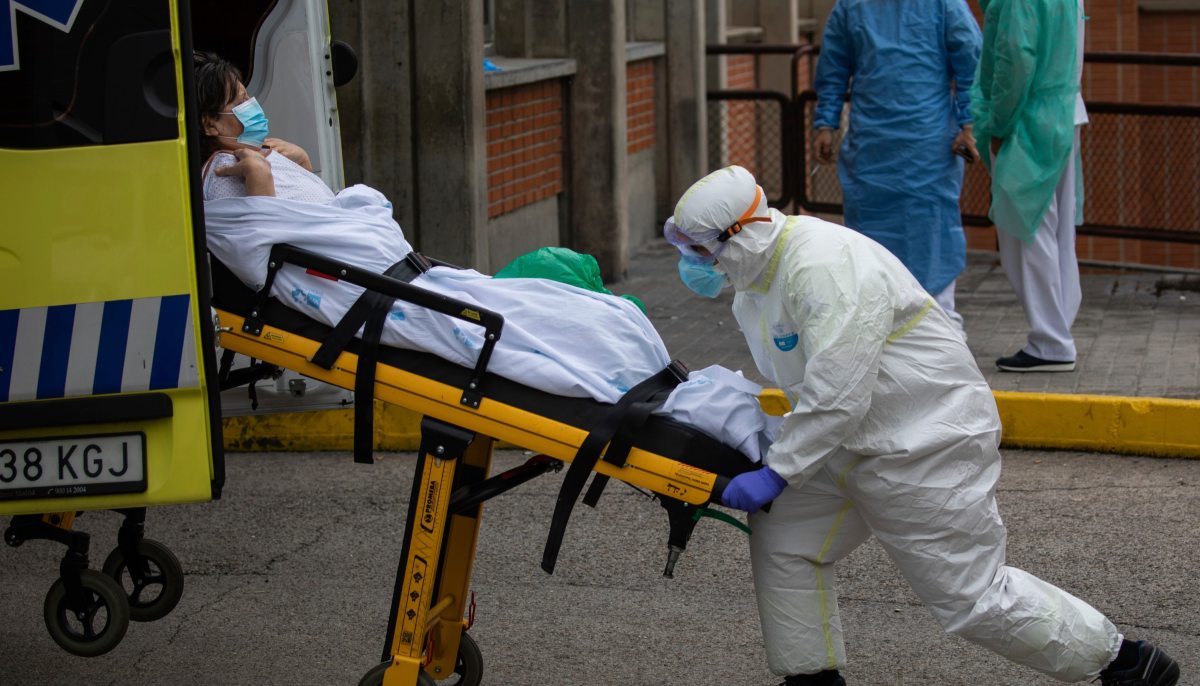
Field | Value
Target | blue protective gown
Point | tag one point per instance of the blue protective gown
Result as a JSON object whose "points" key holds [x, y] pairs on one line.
{"points": [[909, 66]]}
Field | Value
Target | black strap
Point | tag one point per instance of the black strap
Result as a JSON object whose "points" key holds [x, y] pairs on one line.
{"points": [[342, 334], [631, 426], [622, 442], [253, 392], [589, 454], [364, 380], [368, 313], [226, 365], [405, 270]]}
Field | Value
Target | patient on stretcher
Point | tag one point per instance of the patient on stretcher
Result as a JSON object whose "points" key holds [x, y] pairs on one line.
{"points": [[556, 337]]}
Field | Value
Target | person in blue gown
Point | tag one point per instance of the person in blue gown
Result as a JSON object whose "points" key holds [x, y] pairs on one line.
{"points": [[908, 67]]}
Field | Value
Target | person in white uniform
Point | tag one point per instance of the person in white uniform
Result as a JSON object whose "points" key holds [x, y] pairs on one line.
{"points": [[893, 433], [1028, 110]]}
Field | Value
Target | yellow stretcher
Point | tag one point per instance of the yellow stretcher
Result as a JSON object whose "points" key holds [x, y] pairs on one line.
{"points": [[465, 412]]}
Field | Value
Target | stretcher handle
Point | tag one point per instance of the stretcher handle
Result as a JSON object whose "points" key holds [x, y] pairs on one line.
{"points": [[719, 487], [492, 322]]}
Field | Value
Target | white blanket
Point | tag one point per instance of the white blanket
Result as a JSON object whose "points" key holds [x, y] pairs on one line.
{"points": [[556, 337]]}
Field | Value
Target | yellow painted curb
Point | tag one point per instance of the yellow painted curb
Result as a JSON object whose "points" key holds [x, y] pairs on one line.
{"points": [[1161, 427], [395, 429], [1095, 423]]}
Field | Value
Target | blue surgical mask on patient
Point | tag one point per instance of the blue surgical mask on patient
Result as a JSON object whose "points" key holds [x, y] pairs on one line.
{"points": [[701, 275], [254, 123]]}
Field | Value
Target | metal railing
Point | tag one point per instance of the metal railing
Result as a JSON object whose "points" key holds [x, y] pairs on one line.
{"points": [[1140, 166]]}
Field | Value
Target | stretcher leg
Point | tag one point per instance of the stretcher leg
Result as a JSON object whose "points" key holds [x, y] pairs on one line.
{"points": [[447, 630], [415, 601]]}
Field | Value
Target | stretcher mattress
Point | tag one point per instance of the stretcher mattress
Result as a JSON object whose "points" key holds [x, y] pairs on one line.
{"points": [[660, 435]]}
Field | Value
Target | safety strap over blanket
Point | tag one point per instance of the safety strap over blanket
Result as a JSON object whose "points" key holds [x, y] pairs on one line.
{"points": [[369, 313], [616, 429]]}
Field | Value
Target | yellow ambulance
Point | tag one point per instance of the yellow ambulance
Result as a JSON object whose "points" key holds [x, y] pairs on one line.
{"points": [[109, 398]]}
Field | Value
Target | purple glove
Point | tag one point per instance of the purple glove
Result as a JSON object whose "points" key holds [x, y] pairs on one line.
{"points": [[751, 490]]}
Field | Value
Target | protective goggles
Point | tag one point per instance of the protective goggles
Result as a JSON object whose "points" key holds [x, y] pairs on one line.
{"points": [[688, 243]]}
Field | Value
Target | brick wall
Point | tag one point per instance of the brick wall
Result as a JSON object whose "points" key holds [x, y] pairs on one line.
{"points": [[1169, 32], [1112, 26], [1140, 160], [639, 106], [524, 145]]}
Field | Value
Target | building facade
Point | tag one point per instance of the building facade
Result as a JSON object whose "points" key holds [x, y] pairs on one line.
{"points": [[580, 129]]}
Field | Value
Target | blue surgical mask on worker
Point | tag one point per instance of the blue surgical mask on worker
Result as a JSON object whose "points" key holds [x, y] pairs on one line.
{"points": [[699, 250], [701, 276], [254, 121]]}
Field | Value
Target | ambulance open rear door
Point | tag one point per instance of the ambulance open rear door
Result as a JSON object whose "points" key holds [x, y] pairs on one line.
{"points": [[106, 334]]}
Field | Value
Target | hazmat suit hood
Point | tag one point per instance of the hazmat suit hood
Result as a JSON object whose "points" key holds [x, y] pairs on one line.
{"points": [[730, 200]]}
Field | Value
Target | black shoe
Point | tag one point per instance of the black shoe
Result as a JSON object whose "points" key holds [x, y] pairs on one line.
{"points": [[829, 677], [1024, 362], [1154, 668]]}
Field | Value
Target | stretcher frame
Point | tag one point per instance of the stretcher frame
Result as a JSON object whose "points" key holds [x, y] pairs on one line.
{"points": [[426, 635]]}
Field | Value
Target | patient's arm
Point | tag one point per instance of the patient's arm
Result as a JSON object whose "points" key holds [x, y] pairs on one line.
{"points": [[254, 170]]}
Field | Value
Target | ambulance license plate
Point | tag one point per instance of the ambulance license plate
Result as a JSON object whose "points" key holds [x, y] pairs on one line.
{"points": [[73, 466]]}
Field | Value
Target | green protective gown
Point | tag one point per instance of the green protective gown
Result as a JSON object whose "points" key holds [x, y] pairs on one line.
{"points": [[1025, 95], [563, 265]]}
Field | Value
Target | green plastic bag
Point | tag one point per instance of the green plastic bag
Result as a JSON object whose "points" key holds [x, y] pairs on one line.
{"points": [[563, 265]]}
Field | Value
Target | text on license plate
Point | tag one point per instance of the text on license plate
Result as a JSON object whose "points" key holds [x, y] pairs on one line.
{"points": [[72, 466]]}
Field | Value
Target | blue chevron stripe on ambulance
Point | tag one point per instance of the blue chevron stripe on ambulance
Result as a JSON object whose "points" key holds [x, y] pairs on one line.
{"points": [[117, 346]]}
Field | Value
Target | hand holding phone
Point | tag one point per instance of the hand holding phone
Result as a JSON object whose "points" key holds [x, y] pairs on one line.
{"points": [[964, 151], [964, 144]]}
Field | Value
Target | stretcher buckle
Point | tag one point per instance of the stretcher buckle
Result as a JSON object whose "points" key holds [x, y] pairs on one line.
{"points": [[679, 370]]}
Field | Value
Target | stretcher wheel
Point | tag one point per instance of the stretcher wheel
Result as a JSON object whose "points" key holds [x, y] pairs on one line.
{"points": [[469, 665], [92, 624], [468, 668], [375, 676], [154, 594]]}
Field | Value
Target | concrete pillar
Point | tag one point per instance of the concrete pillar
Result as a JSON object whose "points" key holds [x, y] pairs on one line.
{"points": [[780, 20], [646, 19], [741, 13], [548, 26], [716, 25], [374, 109], [598, 177], [819, 10], [531, 28], [448, 119], [687, 118], [716, 32], [513, 33]]}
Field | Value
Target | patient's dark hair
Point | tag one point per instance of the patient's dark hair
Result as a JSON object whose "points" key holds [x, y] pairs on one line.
{"points": [[216, 84]]}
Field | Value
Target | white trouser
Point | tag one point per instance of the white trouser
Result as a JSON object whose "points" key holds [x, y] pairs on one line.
{"points": [[946, 300], [1045, 274], [936, 517]]}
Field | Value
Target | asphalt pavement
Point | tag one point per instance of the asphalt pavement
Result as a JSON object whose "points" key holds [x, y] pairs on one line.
{"points": [[289, 577]]}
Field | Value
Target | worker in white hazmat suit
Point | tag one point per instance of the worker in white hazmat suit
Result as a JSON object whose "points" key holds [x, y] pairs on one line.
{"points": [[893, 432]]}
